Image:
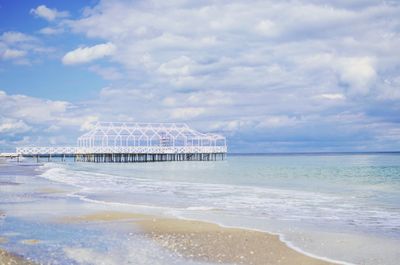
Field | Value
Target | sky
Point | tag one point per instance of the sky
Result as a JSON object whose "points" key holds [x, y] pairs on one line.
{"points": [[271, 76]]}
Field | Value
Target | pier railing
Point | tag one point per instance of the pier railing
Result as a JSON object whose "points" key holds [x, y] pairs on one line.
{"points": [[68, 150], [46, 150]]}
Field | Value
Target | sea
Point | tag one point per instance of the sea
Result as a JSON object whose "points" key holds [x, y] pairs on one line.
{"points": [[339, 207]]}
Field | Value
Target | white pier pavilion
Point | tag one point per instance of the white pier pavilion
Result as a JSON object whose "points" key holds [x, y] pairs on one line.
{"points": [[137, 142]]}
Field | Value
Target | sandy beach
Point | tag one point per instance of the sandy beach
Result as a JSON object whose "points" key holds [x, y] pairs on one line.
{"points": [[203, 241]]}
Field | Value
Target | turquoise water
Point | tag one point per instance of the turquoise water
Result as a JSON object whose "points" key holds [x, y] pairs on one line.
{"points": [[342, 207], [354, 191]]}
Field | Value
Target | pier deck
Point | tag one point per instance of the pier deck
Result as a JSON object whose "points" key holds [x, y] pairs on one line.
{"points": [[124, 154]]}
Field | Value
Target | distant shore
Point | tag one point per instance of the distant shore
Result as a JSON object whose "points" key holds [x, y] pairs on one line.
{"points": [[316, 153]]}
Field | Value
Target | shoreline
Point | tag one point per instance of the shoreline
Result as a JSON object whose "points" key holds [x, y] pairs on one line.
{"points": [[288, 244], [124, 215], [280, 236], [209, 242]]}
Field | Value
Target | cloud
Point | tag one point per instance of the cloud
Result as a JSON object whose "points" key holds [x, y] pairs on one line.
{"points": [[12, 54], [51, 31], [277, 121], [12, 126], [88, 54], [390, 89], [30, 109], [107, 73], [41, 120], [267, 28], [186, 113], [200, 98], [48, 14], [234, 45], [12, 37], [125, 93], [358, 73], [176, 67], [332, 96], [20, 48], [89, 123]]}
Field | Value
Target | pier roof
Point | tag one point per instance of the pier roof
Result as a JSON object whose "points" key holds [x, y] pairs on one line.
{"points": [[147, 134]]}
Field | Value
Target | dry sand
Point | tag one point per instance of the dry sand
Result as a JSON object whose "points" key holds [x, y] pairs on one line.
{"points": [[209, 242]]}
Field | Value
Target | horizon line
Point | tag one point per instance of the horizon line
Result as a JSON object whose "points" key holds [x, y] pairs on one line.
{"points": [[314, 153]]}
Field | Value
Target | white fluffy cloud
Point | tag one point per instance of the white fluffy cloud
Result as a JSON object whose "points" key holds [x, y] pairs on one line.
{"points": [[42, 119], [49, 14], [31, 110], [19, 48], [88, 54], [233, 44], [358, 73]]}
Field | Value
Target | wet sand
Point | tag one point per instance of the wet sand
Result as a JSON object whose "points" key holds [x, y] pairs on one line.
{"points": [[105, 217], [209, 242], [3, 240], [30, 241], [5, 183], [7, 258], [50, 190]]}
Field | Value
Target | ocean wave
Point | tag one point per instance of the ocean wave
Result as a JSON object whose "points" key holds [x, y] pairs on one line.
{"points": [[351, 211]]}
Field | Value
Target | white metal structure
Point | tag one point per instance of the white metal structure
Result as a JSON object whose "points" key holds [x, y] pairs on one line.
{"points": [[137, 142], [49, 150], [148, 136]]}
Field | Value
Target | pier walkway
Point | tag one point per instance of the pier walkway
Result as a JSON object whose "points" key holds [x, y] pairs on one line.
{"points": [[123, 154]]}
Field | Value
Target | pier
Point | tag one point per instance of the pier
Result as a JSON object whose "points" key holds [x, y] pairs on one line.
{"points": [[127, 142]]}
